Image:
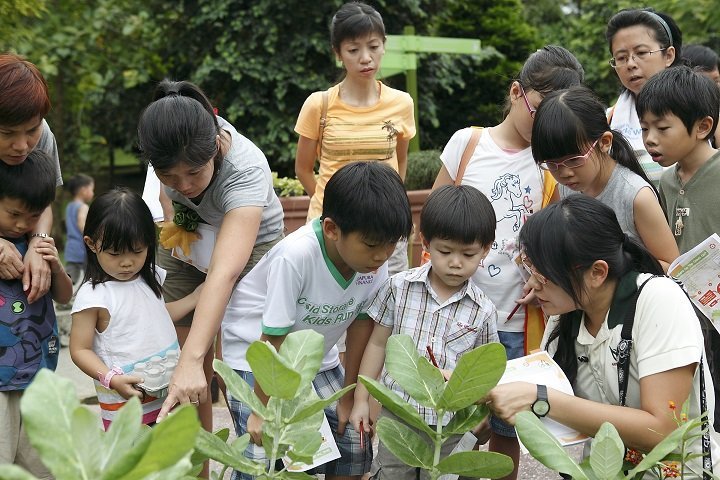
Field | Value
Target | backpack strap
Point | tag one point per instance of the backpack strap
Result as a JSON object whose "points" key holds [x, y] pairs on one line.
{"points": [[467, 153], [323, 121], [625, 345]]}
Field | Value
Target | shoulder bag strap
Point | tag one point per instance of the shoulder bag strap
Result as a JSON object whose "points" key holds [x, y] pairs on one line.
{"points": [[323, 121], [467, 153], [625, 346]]}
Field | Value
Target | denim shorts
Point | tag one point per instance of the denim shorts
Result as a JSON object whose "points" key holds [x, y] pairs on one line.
{"points": [[355, 458], [514, 343]]}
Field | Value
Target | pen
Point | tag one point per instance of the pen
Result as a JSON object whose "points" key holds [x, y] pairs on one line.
{"points": [[362, 431], [514, 311], [432, 357]]}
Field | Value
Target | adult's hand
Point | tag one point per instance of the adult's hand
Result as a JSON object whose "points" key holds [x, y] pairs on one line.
{"points": [[11, 262], [187, 385], [37, 273], [508, 399]]}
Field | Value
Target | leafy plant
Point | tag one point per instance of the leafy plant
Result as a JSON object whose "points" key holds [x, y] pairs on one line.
{"points": [[72, 445], [287, 187], [476, 373], [292, 416], [607, 454], [422, 169]]}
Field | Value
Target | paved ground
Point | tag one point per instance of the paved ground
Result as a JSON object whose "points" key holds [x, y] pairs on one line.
{"points": [[530, 469]]}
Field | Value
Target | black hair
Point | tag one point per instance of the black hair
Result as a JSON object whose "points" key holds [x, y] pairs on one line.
{"points": [[368, 198], [567, 122], [120, 220], [551, 68], [701, 58], [179, 126], [76, 182], [689, 95], [354, 20], [32, 182], [563, 240], [459, 213], [665, 30]]}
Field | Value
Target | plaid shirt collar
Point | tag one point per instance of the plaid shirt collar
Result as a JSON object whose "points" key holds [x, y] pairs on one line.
{"points": [[469, 288]]}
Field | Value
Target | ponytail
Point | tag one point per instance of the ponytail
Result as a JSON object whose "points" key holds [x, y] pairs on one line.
{"points": [[622, 152]]}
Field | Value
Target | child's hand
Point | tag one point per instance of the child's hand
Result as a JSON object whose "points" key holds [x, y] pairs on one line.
{"points": [[254, 428], [344, 409], [528, 295], [125, 386], [446, 373], [360, 415], [46, 248]]}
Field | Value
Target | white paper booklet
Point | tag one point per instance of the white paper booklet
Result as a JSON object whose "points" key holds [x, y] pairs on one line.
{"points": [[699, 270], [328, 451], [540, 368], [201, 249]]}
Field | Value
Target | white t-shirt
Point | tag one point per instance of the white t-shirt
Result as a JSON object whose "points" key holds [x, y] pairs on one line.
{"points": [[140, 328], [666, 335], [295, 286], [513, 184]]}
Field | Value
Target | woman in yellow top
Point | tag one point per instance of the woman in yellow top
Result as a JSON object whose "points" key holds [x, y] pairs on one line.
{"points": [[364, 119]]}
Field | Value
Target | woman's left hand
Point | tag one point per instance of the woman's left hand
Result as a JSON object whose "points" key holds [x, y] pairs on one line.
{"points": [[506, 400]]}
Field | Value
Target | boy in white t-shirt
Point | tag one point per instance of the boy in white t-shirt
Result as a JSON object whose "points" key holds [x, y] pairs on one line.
{"points": [[322, 277]]}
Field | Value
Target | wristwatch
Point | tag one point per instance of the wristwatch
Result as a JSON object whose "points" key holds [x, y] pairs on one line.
{"points": [[541, 406]]}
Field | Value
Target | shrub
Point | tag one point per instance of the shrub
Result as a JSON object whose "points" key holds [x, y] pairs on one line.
{"points": [[423, 167]]}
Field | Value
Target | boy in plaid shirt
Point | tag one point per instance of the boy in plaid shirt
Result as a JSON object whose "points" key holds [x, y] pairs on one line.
{"points": [[437, 304]]}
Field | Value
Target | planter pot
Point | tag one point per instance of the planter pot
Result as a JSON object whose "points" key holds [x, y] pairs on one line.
{"points": [[296, 208]]}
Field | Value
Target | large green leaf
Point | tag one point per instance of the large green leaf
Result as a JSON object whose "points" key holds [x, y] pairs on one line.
{"points": [[13, 472], [239, 388], [406, 444], [476, 464], [465, 419], [544, 446], [47, 409], [275, 378], [303, 351], [117, 456], [127, 461], [171, 441], [476, 373], [311, 408], [423, 382], [177, 471], [607, 453], [395, 404], [213, 447], [305, 446], [87, 437], [665, 447]]}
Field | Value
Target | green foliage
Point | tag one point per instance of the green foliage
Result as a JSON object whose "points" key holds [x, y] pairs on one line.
{"points": [[293, 414], [423, 167], [73, 446], [475, 374], [607, 450], [286, 186]]}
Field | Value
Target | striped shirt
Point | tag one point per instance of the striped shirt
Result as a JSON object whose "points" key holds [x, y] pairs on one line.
{"points": [[408, 305]]}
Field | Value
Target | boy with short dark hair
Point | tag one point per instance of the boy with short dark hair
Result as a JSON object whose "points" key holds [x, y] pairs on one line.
{"points": [[678, 110], [437, 304], [322, 277], [28, 331]]}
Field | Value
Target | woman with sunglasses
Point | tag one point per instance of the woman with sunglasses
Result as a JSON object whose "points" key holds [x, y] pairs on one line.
{"points": [[585, 272], [642, 43], [572, 140], [499, 163]]}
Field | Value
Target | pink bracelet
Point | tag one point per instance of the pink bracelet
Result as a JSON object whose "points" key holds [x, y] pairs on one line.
{"points": [[105, 379]]}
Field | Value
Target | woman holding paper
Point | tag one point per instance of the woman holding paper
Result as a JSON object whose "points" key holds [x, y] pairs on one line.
{"points": [[212, 170], [586, 273]]}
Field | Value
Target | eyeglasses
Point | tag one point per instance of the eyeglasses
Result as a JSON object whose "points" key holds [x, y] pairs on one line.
{"points": [[531, 270], [530, 109], [642, 55], [571, 162]]}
